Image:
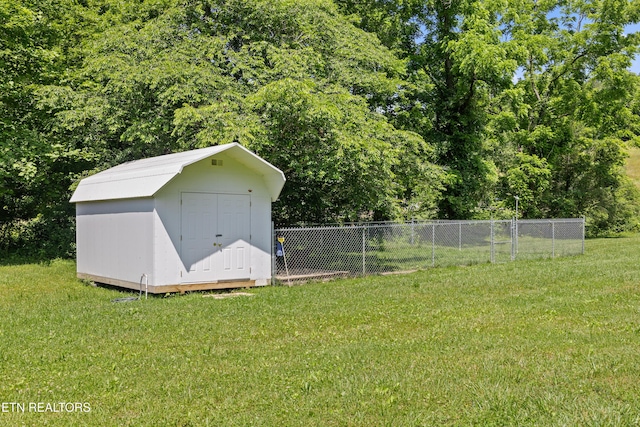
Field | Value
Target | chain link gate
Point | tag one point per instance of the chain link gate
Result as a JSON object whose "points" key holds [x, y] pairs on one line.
{"points": [[378, 248]]}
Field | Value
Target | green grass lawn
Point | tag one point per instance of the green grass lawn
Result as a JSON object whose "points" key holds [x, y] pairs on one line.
{"points": [[545, 342]]}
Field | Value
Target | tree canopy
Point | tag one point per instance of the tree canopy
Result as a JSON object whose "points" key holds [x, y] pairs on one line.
{"points": [[526, 98], [373, 109]]}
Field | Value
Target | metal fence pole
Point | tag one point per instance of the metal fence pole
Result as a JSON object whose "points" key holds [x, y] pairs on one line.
{"points": [[433, 245], [513, 250], [553, 239], [364, 251], [583, 224], [516, 237], [493, 249], [273, 255], [413, 230]]}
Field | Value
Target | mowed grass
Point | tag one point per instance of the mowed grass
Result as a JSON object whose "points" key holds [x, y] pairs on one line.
{"points": [[547, 342]]}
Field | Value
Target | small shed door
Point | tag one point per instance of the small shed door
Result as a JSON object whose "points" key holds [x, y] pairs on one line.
{"points": [[216, 234]]}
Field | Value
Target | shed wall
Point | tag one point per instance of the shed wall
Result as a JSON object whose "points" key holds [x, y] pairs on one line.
{"points": [[230, 178], [115, 238]]}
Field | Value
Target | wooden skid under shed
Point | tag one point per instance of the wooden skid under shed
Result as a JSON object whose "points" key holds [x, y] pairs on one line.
{"points": [[182, 288]]}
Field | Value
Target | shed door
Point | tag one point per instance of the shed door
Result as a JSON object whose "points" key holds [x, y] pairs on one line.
{"points": [[216, 234]]}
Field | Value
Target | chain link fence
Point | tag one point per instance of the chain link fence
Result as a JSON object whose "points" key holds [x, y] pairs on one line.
{"points": [[312, 253]]}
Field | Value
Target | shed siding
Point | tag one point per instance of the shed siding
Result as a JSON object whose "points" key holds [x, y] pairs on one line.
{"points": [[261, 239], [115, 238], [139, 232], [231, 178]]}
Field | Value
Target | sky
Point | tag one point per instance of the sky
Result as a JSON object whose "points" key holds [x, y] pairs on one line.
{"points": [[635, 66]]}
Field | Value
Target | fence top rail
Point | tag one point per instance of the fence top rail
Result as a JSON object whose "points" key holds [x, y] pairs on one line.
{"points": [[321, 228], [442, 223], [368, 225], [391, 225], [554, 220]]}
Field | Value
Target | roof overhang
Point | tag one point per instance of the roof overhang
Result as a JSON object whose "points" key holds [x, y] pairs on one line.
{"points": [[144, 178]]}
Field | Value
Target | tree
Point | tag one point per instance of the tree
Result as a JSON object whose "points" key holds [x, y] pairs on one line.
{"points": [[33, 170], [524, 96], [576, 105], [295, 81], [341, 160], [457, 62]]}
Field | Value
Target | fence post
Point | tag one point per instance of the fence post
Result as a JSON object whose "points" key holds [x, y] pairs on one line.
{"points": [[516, 236], [413, 230], [364, 251], [583, 231], [460, 236], [553, 239], [513, 242], [433, 245], [493, 249], [273, 255]]}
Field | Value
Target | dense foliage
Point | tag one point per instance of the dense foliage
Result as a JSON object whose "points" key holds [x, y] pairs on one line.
{"points": [[527, 98], [373, 109]]}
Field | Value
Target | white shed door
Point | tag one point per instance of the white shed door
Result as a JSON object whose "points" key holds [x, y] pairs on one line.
{"points": [[216, 234]]}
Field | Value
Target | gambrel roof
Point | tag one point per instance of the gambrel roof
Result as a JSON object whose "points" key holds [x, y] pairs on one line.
{"points": [[144, 178]]}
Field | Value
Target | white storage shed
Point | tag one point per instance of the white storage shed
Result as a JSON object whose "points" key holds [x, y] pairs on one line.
{"points": [[194, 220]]}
